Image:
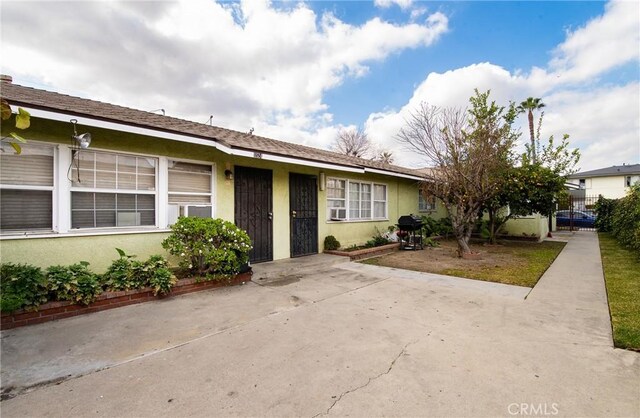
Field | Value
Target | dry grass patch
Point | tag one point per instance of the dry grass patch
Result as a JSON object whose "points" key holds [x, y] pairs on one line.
{"points": [[511, 262]]}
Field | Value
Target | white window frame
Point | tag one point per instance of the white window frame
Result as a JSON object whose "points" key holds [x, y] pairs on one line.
{"points": [[52, 189], [346, 199], [212, 201], [116, 191], [62, 188], [426, 206], [343, 207]]}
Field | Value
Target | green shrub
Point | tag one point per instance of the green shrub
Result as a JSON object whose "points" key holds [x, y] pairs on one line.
{"points": [[155, 273], [121, 274], [377, 240], [625, 225], [126, 273], [208, 247], [432, 227], [604, 213], [331, 243], [75, 283], [444, 228], [22, 286]]}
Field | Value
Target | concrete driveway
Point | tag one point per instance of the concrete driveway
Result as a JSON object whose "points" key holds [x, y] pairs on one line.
{"points": [[321, 336]]}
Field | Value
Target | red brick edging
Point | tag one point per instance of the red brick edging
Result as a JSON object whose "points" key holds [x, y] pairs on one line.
{"points": [[366, 252], [108, 300]]}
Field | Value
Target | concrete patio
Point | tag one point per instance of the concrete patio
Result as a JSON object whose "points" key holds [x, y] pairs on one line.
{"points": [[323, 336]]}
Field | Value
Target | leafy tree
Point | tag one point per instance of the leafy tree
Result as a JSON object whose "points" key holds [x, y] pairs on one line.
{"points": [[526, 190], [534, 186], [353, 142], [470, 151], [528, 106], [23, 120]]}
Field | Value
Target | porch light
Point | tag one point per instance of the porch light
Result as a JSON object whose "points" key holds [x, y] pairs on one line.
{"points": [[322, 181], [228, 174], [83, 140]]}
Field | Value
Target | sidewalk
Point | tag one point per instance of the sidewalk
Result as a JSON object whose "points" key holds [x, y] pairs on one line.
{"points": [[572, 291], [314, 338]]}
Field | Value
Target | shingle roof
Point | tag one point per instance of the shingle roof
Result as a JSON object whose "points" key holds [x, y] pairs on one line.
{"points": [[616, 170], [46, 100]]}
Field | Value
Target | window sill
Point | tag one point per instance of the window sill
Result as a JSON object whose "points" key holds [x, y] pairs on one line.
{"points": [[80, 233], [353, 221]]}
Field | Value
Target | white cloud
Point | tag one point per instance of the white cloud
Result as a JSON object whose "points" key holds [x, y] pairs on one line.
{"points": [[196, 58], [403, 4], [199, 58], [603, 43], [603, 121]]}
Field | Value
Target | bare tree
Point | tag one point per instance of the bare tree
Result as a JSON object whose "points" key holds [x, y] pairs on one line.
{"points": [[352, 142], [468, 150]]}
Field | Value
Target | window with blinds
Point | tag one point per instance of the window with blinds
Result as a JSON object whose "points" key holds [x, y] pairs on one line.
{"points": [[26, 188], [190, 190], [112, 190], [189, 183]]}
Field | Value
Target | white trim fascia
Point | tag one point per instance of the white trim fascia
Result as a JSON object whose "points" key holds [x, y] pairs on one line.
{"points": [[391, 173], [308, 163], [88, 121], [63, 192], [163, 192]]}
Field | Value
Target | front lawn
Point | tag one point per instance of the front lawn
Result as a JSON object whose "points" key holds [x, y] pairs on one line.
{"points": [[512, 262], [622, 278]]}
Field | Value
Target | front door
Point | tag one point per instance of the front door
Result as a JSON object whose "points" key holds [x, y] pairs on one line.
{"points": [[254, 209], [303, 206]]}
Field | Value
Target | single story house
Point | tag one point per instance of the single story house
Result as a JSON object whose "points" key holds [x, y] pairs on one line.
{"points": [[611, 182], [65, 199]]}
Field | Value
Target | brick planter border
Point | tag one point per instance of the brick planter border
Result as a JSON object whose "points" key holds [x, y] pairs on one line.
{"points": [[108, 300], [367, 252]]}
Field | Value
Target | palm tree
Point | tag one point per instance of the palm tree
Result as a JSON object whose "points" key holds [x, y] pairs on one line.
{"points": [[386, 157], [529, 106]]}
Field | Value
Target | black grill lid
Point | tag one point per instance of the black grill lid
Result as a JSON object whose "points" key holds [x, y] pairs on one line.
{"points": [[410, 222]]}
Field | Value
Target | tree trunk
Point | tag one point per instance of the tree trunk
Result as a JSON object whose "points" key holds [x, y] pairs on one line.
{"points": [[492, 226], [463, 245], [533, 138]]}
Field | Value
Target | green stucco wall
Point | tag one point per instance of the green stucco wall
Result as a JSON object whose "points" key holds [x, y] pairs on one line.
{"points": [[99, 250], [534, 225]]}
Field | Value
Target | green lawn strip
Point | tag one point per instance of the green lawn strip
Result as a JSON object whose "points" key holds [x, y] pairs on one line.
{"points": [[530, 261], [622, 278]]}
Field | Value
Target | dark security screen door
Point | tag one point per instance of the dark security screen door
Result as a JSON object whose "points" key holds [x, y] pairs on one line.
{"points": [[254, 209], [303, 205]]}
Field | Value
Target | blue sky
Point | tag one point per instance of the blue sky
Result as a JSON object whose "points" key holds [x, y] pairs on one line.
{"points": [[515, 35], [302, 71]]}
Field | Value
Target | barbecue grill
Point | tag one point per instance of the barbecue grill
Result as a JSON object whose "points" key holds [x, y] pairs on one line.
{"points": [[410, 234]]}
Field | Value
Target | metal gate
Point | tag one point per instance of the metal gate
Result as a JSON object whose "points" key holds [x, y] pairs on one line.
{"points": [[303, 206], [576, 213], [254, 209]]}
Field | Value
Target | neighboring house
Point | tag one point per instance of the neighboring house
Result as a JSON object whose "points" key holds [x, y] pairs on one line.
{"points": [[62, 203], [611, 182]]}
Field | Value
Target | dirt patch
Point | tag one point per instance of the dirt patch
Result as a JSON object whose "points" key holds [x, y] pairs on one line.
{"points": [[519, 263]]}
